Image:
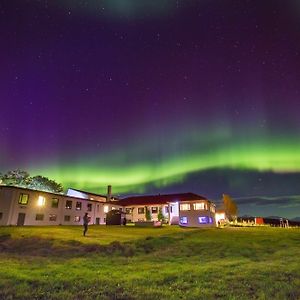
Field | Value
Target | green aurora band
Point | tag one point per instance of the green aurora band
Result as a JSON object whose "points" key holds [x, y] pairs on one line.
{"points": [[95, 173]]}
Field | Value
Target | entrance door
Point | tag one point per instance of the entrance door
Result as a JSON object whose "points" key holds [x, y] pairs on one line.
{"points": [[21, 219], [97, 221]]}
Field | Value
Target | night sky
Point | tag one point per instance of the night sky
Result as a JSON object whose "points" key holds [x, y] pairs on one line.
{"points": [[155, 96]]}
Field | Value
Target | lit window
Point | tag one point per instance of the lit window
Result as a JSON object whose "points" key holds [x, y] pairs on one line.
{"points": [[105, 209], [54, 203], [39, 217], [203, 220], [141, 210], [185, 206], [183, 220], [52, 217], [78, 205], [23, 199], [212, 209], [89, 207], [77, 219], [199, 206], [154, 210], [68, 204], [41, 201]]}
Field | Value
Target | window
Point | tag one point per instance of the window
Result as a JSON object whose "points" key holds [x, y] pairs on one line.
{"points": [[1, 215], [41, 201], [52, 217], [141, 210], [199, 206], [68, 204], [39, 217], [97, 207], [78, 205], [89, 207], [23, 199], [183, 220], [185, 206], [105, 209], [76, 219], [166, 209], [128, 210], [54, 203], [154, 210], [203, 220], [212, 209], [67, 218]]}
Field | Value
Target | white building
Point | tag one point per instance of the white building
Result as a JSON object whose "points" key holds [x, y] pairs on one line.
{"points": [[22, 206]]}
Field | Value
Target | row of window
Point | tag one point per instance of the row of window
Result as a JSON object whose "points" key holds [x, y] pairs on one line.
{"points": [[24, 198], [78, 206], [196, 206], [53, 217], [153, 209], [201, 220]]}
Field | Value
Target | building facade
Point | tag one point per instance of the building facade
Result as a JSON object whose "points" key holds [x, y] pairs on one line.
{"points": [[22, 206]]}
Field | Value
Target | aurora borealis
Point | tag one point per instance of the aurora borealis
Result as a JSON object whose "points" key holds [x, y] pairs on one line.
{"points": [[155, 97]]}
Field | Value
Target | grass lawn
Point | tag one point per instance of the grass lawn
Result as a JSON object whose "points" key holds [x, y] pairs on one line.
{"points": [[149, 263]]}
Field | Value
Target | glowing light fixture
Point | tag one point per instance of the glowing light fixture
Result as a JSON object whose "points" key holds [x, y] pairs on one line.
{"points": [[106, 209], [41, 201]]}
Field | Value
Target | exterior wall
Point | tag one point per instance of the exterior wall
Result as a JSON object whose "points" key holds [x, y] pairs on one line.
{"points": [[197, 217], [10, 208]]}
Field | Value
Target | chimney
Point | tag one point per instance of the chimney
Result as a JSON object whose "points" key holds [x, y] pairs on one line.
{"points": [[108, 197]]}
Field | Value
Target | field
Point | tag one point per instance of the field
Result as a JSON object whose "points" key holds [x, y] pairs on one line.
{"points": [[149, 263]]}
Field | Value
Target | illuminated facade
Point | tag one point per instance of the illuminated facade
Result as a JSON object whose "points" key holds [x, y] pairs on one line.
{"points": [[22, 206]]}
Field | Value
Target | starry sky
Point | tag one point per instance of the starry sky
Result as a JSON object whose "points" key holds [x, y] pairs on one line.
{"points": [[152, 97]]}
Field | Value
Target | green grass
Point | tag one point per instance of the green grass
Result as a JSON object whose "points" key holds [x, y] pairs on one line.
{"points": [[149, 263]]}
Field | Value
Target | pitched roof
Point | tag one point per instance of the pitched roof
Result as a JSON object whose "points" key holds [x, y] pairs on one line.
{"points": [[159, 199]]}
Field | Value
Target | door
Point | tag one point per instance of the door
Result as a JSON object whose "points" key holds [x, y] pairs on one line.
{"points": [[21, 219]]}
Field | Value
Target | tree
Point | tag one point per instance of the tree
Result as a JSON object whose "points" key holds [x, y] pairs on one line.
{"points": [[231, 209], [160, 215], [22, 179], [16, 177], [43, 183], [147, 214]]}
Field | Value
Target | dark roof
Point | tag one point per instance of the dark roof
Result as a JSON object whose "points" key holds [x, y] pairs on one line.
{"points": [[159, 199]]}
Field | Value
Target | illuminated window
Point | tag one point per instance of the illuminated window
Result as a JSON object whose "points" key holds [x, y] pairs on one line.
{"points": [[183, 220], [89, 207], [212, 209], [68, 204], [55, 202], [128, 210], [67, 218], [39, 217], [154, 210], [78, 205], [105, 209], [199, 206], [41, 201], [23, 199], [141, 210], [203, 220], [52, 217], [76, 219], [185, 206]]}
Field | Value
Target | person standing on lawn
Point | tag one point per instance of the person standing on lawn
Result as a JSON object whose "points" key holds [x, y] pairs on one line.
{"points": [[86, 220]]}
